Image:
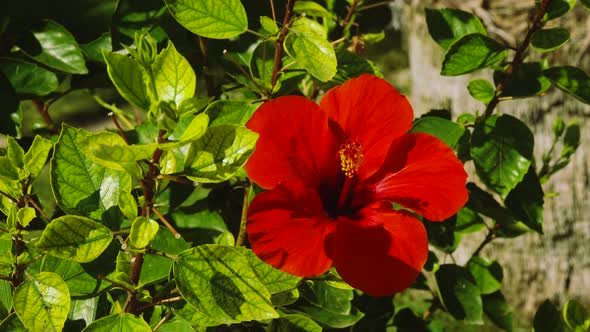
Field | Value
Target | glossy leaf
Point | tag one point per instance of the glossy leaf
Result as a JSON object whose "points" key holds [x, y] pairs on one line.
{"points": [[446, 25], [218, 19], [230, 112], [294, 323], [221, 152], [481, 90], [36, 157], [313, 52], [75, 238], [527, 80], [526, 201], [470, 53], [129, 77], [557, 8], [276, 281], [57, 48], [497, 310], [502, 150], [547, 40], [447, 131], [43, 302], [81, 186], [219, 282], [459, 293], [119, 322], [28, 78], [548, 319], [174, 77], [572, 80]]}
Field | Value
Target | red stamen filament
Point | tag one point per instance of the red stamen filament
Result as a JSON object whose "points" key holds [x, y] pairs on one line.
{"points": [[351, 158]]}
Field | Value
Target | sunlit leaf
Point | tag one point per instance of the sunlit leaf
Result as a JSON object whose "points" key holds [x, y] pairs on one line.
{"points": [[470, 53], [119, 322], [174, 77], [28, 78], [129, 77]]}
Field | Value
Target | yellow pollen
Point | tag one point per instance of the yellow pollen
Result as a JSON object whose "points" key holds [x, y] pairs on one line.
{"points": [[350, 157]]}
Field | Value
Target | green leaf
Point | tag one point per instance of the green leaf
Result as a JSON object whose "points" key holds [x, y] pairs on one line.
{"points": [[195, 317], [294, 323], [43, 302], [75, 238], [276, 281], [547, 40], [28, 78], [310, 8], [446, 25], [36, 157], [313, 52], [219, 282], [94, 49], [309, 27], [261, 65], [143, 231], [129, 77], [470, 53], [8, 118], [350, 66], [468, 221], [26, 215], [217, 19], [481, 90], [80, 282], [12, 324], [15, 153], [196, 129], [557, 8], [459, 293], [5, 299], [328, 305], [83, 311], [83, 187], [221, 152], [497, 310], [6, 256], [528, 80], [447, 131], [483, 202], [155, 268], [231, 112], [502, 150], [176, 324], [174, 77], [166, 242], [119, 322], [571, 139], [526, 201], [57, 48], [548, 319], [572, 80], [269, 25], [586, 3], [574, 314], [487, 275]]}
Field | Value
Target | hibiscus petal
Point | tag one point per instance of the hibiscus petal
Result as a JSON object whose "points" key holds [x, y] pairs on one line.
{"points": [[420, 173], [368, 109], [287, 227], [294, 143], [380, 255]]}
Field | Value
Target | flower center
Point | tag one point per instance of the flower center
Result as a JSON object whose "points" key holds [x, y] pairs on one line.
{"points": [[350, 157]]}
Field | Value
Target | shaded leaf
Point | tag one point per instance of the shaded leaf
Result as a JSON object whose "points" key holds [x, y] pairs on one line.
{"points": [[470, 53], [575, 314], [572, 80], [447, 131], [526, 201], [557, 8], [80, 282], [488, 275], [446, 25], [497, 310], [459, 293], [29, 79], [548, 319], [276, 281], [294, 323], [547, 40], [8, 117], [527, 80], [310, 8]]}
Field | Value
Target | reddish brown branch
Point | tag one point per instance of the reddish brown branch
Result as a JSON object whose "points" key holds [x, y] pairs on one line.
{"points": [[43, 109], [279, 43]]}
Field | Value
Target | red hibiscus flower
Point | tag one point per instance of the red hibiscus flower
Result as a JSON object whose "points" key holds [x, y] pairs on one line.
{"points": [[333, 171]]}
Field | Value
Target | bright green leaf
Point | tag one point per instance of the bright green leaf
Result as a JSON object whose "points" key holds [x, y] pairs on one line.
{"points": [[526, 201], [312, 52], [129, 77], [547, 40], [15, 153], [329, 305], [123, 322], [36, 157], [195, 317], [28, 78], [310, 8], [58, 48], [176, 324], [261, 65], [276, 281], [5, 298], [143, 231], [497, 310], [502, 150], [174, 77], [572, 80], [470, 53], [75, 238], [196, 129], [447, 131], [481, 90], [128, 205], [446, 25], [155, 268], [548, 319], [219, 282], [84, 310], [269, 25], [221, 152], [574, 314], [218, 19], [81, 186], [468, 221], [231, 112], [294, 323], [487, 275], [94, 49], [80, 281], [26, 215], [43, 302], [459, 293], [528, 80]]}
